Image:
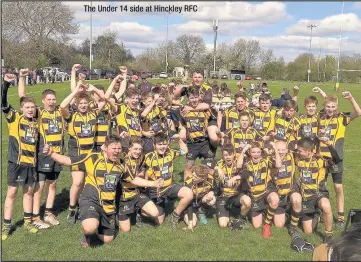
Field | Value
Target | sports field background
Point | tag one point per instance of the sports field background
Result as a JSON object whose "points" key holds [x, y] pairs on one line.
{"points": [[208, 242]]}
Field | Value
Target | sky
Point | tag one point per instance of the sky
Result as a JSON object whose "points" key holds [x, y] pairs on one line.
{"points": [[279, 26]]}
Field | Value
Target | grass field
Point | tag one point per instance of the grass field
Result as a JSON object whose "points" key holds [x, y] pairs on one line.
{"points": [[207, 242]]}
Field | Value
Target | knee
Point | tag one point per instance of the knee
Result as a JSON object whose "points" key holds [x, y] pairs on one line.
{"points": [[256, 225], [222, 223], [77, 184], [11, 194], [278, 223], [89, 230], [273, 199], [153, 212], [52, 186], [338, 188], [124, 229], [108, 239], [307, 231], [246, 201]]}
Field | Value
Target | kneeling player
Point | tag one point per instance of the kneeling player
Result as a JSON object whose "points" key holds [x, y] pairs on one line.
{"points": [[230, 193], [159, 164], [312, 170], [202, 183], [131, 199], [97, 201], [260, 183], [287, 189]]}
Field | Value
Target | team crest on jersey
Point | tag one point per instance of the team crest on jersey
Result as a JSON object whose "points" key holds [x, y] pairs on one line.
{"points": [[29, 135], [258, 124], [86, 130], [110, 181], [307, 130], [282, 172], [307, 176], [53, 127], [101, 118]]}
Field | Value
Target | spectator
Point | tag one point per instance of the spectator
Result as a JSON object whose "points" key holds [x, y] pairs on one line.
{"points": [[279, 102], [145, 86], [34, 76]]}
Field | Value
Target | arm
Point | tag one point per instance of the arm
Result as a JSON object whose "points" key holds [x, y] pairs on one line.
{"points": [[319, 90], [21, 88], [335, 156], [296, 90], [8, 78], [219, 119], [100, 93], [73, 76], [241, 157], [64, 105], [278, 160], [357, 111], [123, 84], [62, 160], [140, 182], [149, 108]]}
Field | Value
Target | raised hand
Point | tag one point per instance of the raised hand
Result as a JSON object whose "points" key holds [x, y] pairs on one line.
{"points": [[347, 95], [76, 67], [24, 72], [47, 150], [9, 77]]}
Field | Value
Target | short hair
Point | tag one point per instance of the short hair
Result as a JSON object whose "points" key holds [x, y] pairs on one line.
{"points": [[264, 85], [135, 140], [331, 98], [264, 97], [244, 113], [307, 143], [256, 145], [229, 148], [160, 138], [289, 104], [147, 95], [193, 90], [156, 89], [111, 139], [240, 94], [100, 87], [26, 99], [48, 92], [310, 100], [201, 171], [347, 247], [81, 95], [198, 71], [131, 92]]}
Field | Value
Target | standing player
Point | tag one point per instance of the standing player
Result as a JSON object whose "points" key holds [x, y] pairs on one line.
{"points": [[82, 127], [198, 142], [332, 125], [159, 164], [264, 117], [51, 130], [261, 185], [23, 139]]}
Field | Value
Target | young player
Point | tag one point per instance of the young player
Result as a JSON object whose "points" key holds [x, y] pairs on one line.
{"points": [[239, 137], [260, 183], [264, 117], [230, 196], [332, 125], [287, 189], [201, 182], [82, 128], [159, 164], [309, 120], [198, 142], [51, 130], [23, 140], [312, 172], [131, 199], [97, 201], [287, 125]]}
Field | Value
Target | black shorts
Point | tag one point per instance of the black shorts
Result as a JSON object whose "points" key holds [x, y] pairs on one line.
{"points": [[309, 206], [126, 208], [336, 172], [223, 210], [212, 122], [171, 194], [47, 164], [42, 176], [19, 175], [284, 204], [259, 205], [89, 209], [201, 150], [148, 145]]}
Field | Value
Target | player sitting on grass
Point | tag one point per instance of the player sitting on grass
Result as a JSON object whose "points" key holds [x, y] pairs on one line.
{"points": [[97, 201], [262, 189], [202, 184], [230, 196]]}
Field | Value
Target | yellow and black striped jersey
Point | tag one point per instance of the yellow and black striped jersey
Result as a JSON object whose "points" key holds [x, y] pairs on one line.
{"points": [[155, 120], [264, 122], [226, 102], [335, 128], [196, 124], [239, 137], [287, 130], [23, 137], [103, 123], [157, 166], [229, 172], [312, 173], [283, 177], [82, 128], [231, 117], [216, 101], [51, 129], [132, 167], [102, 178], [206, 93], [260, 177], [202, 188], [128, 120], [308, 126]]}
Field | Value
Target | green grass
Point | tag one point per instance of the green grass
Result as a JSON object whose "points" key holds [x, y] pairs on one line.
{"points": [[207, 242]]}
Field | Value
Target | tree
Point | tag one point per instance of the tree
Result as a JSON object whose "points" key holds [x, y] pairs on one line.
{"points": [[188, 48]]}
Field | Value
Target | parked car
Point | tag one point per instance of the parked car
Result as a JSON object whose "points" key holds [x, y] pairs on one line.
{"points": [[238, 77], [163, 75], [248, 78], [94, 75], [214, 76], [224, 76]]}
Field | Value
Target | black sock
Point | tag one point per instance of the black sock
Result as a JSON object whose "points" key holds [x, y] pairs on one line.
{"points": [[7, 221], [72, 207], [27, 218], [49, 211]]}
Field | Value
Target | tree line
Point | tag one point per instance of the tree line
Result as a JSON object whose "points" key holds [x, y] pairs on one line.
{"points": [[35, 32]]}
